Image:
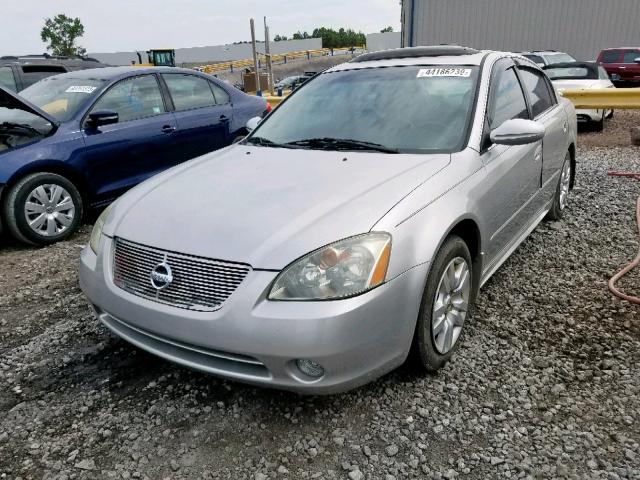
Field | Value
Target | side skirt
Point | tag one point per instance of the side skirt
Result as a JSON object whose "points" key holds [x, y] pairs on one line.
{"points": [[491, 269]]}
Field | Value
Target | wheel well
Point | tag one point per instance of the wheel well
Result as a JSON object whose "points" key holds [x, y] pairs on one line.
{"points": [[469, 232], [572, 156]]}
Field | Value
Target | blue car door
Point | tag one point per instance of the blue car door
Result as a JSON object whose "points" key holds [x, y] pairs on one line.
{"points": [[141, 143], [203, 114]]}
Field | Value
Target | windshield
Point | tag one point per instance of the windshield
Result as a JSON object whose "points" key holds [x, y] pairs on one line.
{"points": [[553, 58], [403, 109], [62, 97], [572, 73]]}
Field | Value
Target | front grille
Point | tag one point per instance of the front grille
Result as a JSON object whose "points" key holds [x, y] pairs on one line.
{"points": [[198, 283]]}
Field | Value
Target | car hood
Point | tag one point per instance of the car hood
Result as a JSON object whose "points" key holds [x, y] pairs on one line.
{"points": [[267, 206], [8, 99]]}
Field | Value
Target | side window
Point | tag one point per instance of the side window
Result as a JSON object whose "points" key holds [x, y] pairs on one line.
{"points": [[132, 98], [222, 97], [507, 99], [630, 56], [610, 56], [7, 80], [189, 91], [538, 91]]}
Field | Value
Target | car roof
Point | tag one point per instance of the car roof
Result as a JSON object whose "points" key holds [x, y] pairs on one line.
{"points": [[436, 55], [111, 73]]}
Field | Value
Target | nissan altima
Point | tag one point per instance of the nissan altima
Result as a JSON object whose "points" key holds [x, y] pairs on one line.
{"points": [[351, 229]]}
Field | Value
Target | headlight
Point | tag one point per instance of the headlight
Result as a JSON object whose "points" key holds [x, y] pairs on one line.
{"points": [[342, 269], [96, 233]]}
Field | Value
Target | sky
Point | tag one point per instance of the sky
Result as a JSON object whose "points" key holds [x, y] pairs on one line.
{"points": [[126, 25]]}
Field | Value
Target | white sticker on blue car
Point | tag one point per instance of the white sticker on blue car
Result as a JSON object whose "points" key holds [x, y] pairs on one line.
{"points": [[80, 89]]}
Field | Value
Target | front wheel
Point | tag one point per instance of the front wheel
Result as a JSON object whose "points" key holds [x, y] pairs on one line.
{"points": [[561, 197], [446, 305], [43, 208]]}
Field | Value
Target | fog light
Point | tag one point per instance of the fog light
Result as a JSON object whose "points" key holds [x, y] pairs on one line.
{"points": [[310, 368]]}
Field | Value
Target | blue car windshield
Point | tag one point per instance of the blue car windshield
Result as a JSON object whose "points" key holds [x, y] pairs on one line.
{"points": [[405, 109], [62, 97]]}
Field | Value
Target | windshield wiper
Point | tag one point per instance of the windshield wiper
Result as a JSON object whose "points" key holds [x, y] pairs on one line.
{"points": [[20, 126], [327, 143], [265, 142]]}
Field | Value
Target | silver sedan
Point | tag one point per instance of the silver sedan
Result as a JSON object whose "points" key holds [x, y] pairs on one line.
{"points": [[351, 229]]}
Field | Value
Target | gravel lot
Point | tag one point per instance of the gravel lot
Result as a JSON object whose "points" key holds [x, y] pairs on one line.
{"points": [[546, 384]]}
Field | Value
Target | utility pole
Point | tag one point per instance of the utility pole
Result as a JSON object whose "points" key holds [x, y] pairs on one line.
{"points": [[255, 57], [267, 51]]}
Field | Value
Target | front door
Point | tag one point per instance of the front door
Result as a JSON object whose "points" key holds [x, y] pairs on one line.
{"points": [[121, 155], [513, 172]]}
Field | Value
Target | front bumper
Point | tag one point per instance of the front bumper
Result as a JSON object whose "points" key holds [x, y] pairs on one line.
{"points": [[254, 340]]}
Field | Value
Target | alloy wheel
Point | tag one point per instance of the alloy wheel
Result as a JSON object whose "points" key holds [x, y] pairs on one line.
{"points": [[565, 183], [450, 305]]}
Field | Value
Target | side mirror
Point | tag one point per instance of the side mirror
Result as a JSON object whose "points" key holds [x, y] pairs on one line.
{"points": [[102, 117], [253, 123], [636, 60], [517, 132]]}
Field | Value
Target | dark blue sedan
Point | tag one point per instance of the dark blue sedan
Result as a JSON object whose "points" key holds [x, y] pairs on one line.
{"points": [[76, 141]]}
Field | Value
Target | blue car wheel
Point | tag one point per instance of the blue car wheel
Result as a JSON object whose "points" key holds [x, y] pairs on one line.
{"points": [[43, 208]]}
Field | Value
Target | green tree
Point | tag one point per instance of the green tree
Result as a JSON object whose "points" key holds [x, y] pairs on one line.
{"points": [[387, 29], [280, 38], [61, 32]]}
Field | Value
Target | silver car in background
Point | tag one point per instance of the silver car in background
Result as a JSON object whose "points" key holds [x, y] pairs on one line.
{"points": [[352, 228]]}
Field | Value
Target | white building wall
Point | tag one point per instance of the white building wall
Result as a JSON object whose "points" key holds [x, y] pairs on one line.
{"points": [[383, 41], [218, 53]]}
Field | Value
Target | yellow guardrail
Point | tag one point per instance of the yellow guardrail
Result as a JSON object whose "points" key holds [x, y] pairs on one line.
{"points": [[280, 58], [603, 98]]}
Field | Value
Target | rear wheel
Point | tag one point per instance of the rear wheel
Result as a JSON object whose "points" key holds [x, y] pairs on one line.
{"points": [[561, 198], [598, 125], [446, 305], [42, 208]]}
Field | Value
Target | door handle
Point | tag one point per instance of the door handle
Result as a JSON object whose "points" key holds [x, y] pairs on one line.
{"points": [[565, 126], [224, 118], [168, 128]]}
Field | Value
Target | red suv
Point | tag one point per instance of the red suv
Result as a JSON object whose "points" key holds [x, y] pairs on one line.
{"points": [[622, 64]]}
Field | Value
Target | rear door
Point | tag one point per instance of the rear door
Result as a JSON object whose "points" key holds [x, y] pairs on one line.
{"points": [[203, 114], [512, 171], [545, 109], [123, 154]]}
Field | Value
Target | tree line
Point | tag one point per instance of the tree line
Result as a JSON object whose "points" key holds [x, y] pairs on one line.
{"points": [[343, 37]]}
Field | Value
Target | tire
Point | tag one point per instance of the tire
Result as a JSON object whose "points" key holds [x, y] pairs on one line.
{"points": [[598, 125], [56, 209], [430, 350], [564, 186]]}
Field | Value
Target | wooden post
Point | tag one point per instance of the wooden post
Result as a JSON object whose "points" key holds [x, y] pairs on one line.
{"points": [[255, 55]]}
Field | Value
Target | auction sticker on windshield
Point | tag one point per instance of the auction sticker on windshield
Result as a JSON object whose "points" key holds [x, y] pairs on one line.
{"points": [[444, 72], [80, 89]]}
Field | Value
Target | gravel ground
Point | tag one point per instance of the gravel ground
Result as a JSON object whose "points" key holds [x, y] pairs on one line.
{"points": [[616, 130], [546, 384]]}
